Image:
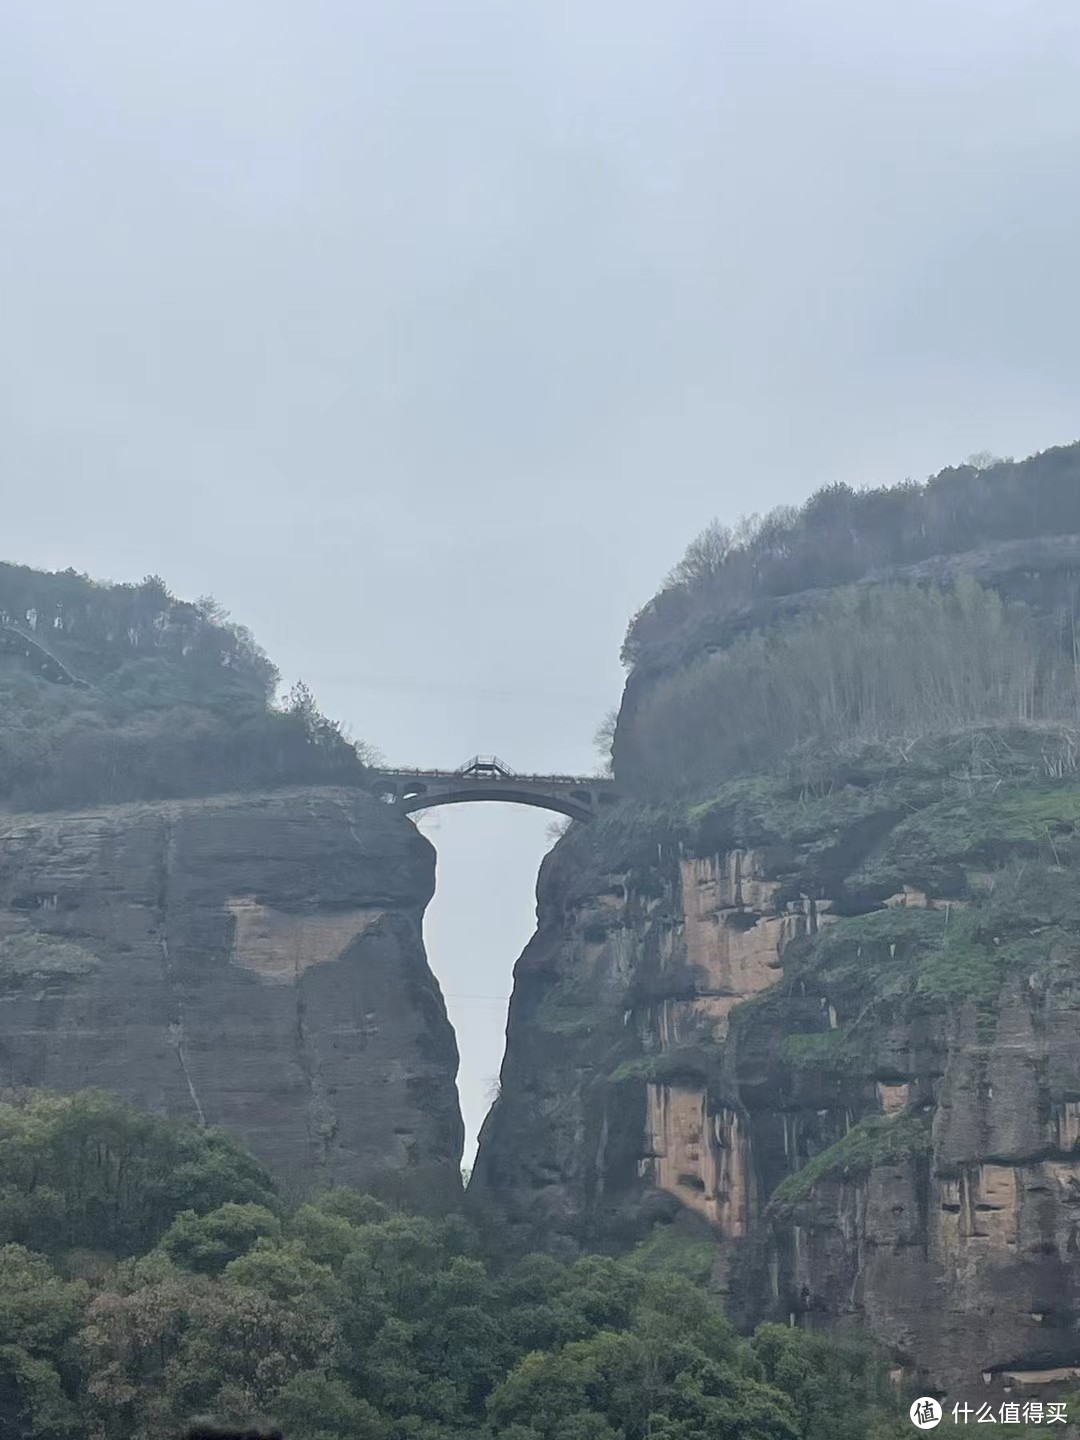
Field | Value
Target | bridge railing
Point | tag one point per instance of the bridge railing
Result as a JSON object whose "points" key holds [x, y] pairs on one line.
{"points": [[487, 762], [401, 772]]}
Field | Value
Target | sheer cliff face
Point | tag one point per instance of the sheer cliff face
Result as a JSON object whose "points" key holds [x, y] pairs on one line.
{"points": [[254, 962], [622, 1009], [595, 1133], [841, 1033], [827, 1009]]}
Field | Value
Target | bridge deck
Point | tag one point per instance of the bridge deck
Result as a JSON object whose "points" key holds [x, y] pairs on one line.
{"points": [[579, 796], [457, 777]]}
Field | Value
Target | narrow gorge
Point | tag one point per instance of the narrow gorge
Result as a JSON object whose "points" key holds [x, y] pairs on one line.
{"points": [[804, 988]]}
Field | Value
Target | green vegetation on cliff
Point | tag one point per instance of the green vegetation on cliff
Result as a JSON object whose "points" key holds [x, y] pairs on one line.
{"points": [[876, 1140], [841, 535], [1019, 921], [859, 667], [150, 1275], [122, 692], [32, 961], [842, 873], [855, 823]]}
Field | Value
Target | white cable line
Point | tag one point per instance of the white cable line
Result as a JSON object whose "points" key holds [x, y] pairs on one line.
{"points": [[491, 999], [380, 683]]}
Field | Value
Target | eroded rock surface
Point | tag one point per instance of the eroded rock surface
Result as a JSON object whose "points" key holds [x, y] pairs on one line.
{"points": [[865, 1084], [253, 961]]}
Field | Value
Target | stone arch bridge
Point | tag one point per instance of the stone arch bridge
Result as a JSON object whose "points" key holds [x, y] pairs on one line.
{"points": [[485, 777]]}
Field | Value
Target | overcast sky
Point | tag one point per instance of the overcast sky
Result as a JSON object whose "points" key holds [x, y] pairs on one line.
{"points": [[425, 335]]}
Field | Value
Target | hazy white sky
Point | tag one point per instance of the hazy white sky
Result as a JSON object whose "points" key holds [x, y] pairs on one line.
{"points": [[424, 335]]}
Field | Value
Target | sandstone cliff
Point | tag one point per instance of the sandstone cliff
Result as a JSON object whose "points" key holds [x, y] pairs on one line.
{"points": [[254, 961], [814, 988], [841, 1032]]}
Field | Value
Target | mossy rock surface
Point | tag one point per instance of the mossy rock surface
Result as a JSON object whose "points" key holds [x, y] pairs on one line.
{"points": [[687, 1064], [32, 961], [876, 1140], [939, 845]]}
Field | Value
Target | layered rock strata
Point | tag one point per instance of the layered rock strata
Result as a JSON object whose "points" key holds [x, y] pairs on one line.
{"points": [[254, 962], [857, 1071]]}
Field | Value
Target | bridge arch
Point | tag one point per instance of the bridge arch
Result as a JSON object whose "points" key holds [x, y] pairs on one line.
{"points": [[560, 805], [488, 778]]}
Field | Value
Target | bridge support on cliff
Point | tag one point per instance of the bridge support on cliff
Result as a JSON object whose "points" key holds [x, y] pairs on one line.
{"points": [[485, 777]]}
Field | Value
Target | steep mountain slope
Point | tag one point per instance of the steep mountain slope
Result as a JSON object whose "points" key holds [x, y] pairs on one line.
{"points": [[123, 692], [816, 989], [202, 910]]}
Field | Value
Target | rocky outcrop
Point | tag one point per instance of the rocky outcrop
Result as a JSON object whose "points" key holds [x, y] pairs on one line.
{"points": [[985, 1218], [865, 1083], [814, 992], [608, 1115], [254, 962]]}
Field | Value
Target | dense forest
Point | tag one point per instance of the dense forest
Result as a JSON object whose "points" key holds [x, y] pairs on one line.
{"points": [[805, 630], [151, 1275], [841, 535], [122, 692], [860, 667]]}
